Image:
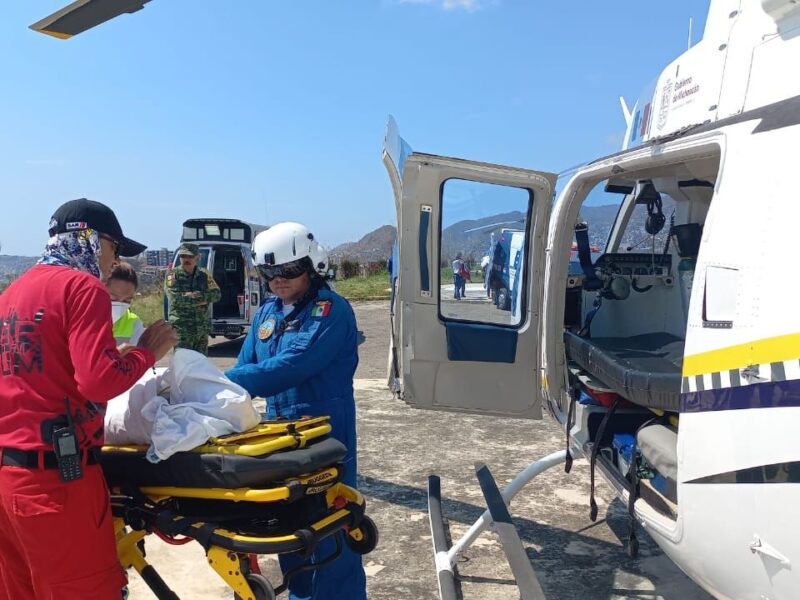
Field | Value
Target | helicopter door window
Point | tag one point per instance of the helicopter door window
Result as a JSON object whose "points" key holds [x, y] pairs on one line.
{"points": [[483, 252]]}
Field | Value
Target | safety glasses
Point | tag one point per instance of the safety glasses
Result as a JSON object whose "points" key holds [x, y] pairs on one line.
{"points": [[108, 238], [291, 270]]}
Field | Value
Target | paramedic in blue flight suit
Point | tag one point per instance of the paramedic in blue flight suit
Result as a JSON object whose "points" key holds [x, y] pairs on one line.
{"points": [[301, 354]]}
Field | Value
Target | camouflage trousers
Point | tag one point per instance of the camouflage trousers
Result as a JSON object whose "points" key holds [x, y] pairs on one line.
{"points": [[193, 339]]}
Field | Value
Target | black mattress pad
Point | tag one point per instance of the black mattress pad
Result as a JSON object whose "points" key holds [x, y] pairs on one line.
{"points": [[211, 470], [645, 369]]}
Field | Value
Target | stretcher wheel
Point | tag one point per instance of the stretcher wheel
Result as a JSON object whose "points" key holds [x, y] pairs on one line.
{"points": [[369, 539], [261, 587]]}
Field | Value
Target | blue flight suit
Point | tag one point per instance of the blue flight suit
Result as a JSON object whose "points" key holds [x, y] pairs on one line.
{"points": [[307, 370]]}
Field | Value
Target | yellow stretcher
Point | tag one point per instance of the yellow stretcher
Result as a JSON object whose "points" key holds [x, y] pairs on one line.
{"points": [[271, 490]]}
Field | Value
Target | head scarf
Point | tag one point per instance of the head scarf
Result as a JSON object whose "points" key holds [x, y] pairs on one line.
{"points": [[76, 249]]}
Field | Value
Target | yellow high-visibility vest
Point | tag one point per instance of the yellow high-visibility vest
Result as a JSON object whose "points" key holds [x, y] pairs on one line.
{"points": [[124, 326]]}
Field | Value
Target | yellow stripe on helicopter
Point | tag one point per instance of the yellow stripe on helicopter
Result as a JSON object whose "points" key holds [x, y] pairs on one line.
{"points": [[758, 352]]}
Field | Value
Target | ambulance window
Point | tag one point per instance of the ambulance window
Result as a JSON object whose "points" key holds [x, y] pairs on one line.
{"points": [[189, 233], [204, 253], [483, 252]]}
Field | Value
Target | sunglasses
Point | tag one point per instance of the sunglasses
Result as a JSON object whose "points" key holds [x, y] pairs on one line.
{"points": [[108, 238], [291, 270]]}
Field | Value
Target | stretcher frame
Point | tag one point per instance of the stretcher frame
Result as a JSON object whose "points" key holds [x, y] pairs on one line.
{"points": [[230, 554], [141, 510]]}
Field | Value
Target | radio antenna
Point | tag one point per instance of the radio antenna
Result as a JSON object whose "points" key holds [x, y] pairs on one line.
{"points": [[689, 41]]}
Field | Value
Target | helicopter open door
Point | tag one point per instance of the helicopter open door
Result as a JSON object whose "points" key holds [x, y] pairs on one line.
{"points": [[459, 349]]}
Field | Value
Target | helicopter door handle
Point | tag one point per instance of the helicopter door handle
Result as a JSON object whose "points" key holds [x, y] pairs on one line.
{"points": [[760, 547]]}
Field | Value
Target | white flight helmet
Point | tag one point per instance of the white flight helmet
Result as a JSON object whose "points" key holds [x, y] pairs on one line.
{"points": [[286, 243]]}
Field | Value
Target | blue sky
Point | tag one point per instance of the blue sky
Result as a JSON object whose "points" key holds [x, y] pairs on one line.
{"points": [[271, 111]]}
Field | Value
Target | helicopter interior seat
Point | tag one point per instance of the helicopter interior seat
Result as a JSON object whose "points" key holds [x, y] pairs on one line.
{"points": [[658, 444], [644, 369]]}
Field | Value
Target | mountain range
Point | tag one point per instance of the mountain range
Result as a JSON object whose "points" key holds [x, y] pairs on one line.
{"points": [[470, 237]]}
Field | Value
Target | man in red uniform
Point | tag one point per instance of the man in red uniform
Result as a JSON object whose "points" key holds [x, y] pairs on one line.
{"points": [[58, 367]]}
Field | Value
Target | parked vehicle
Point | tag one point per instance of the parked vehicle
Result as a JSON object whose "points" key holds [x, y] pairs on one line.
{"points": [[225, 252], [502, 280]]}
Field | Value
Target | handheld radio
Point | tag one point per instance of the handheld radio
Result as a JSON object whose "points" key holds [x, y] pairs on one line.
{"points": [[67, 450]]}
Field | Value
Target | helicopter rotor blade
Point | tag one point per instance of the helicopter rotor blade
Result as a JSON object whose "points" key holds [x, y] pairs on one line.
{"points": [[84, 14], [493, 225]]}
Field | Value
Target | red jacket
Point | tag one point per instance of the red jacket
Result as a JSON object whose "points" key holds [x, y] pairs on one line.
{"points": [[56, 342]]}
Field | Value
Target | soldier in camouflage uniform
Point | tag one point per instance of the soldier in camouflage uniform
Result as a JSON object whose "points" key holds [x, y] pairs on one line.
{"points": [[190, 289]]}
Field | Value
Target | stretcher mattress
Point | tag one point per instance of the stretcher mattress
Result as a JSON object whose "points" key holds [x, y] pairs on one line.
{"points": [[257, 458], [210, 469], [645, 369]]}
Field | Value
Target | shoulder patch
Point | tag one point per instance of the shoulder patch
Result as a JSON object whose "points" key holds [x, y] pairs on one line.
{"points": [[266, 329], [321, 309]]}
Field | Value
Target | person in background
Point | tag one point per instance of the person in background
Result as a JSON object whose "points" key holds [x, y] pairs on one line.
{"points": [[485, 268], [59, 365], [465, 277], [122, 284], [458, 280], [301, 355], [190, 289], [389, 267]]}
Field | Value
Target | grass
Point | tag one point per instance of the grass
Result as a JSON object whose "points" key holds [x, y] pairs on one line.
{"points": [[372, 287], [150, 306]]}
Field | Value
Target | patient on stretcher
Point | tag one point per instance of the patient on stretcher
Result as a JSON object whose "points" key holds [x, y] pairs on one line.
{"points": [[179, 408]]}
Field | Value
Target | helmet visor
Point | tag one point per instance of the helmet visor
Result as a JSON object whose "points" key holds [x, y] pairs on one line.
{"points": [[291, 270]]}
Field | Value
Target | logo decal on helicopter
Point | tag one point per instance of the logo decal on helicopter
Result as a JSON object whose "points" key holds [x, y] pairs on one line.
{"points": [[663, 111]]}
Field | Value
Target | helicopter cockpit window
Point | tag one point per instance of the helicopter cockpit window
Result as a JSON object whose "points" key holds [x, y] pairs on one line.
{"points": [[647, 229], [189, 233], [483, 252]]}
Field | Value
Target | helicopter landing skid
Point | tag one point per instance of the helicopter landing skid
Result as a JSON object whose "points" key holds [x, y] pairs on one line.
{"points": [[497, 518]]}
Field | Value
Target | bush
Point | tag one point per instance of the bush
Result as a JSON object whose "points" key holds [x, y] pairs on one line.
{"points": [[6, 280], [149, 307], [347, 268]]}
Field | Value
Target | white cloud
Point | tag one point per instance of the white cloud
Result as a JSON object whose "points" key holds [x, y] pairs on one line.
{"points": [[468, 5]]}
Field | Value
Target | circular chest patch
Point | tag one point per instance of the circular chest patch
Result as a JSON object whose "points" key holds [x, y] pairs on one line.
{"points": [[266, 329]]}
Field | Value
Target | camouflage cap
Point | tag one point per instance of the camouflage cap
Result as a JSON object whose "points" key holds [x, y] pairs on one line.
{"points": [[189, 249]]}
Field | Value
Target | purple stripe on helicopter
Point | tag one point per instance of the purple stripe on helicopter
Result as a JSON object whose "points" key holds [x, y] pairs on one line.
{"points": [[769, 394]]}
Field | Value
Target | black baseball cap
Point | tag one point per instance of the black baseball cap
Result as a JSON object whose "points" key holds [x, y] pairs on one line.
{"points": [[76, 215]]}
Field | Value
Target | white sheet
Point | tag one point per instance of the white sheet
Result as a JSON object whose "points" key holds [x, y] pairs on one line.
{"points": [[179, 408]]}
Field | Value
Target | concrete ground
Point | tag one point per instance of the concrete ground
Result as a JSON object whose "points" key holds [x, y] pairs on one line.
{"points": [[400, 446]]}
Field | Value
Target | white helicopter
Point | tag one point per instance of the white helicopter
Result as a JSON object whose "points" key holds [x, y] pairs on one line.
{"points": [[674, 368]]}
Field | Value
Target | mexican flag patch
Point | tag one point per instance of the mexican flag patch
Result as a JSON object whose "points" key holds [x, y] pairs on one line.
{"points": [[321, 309]]}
